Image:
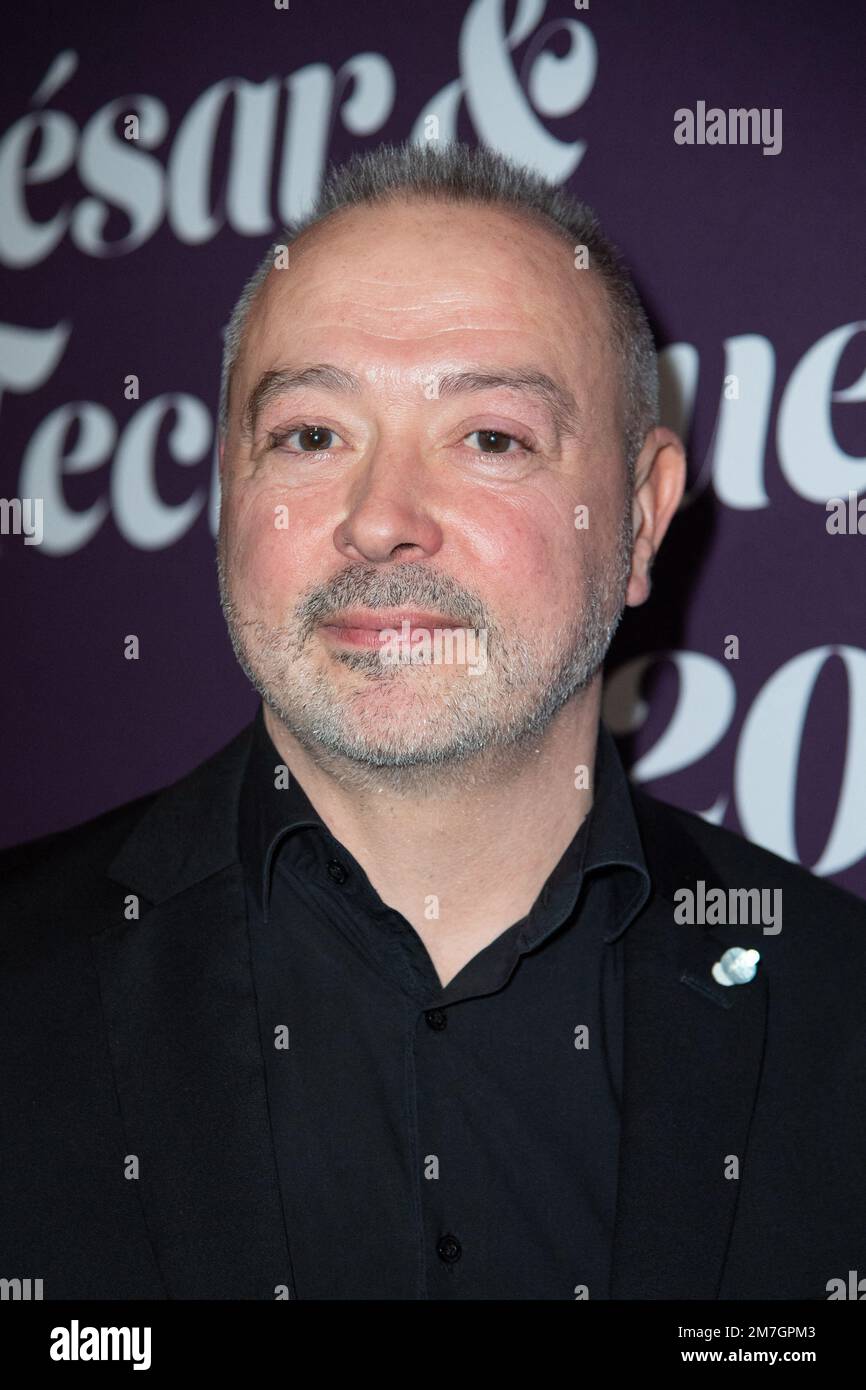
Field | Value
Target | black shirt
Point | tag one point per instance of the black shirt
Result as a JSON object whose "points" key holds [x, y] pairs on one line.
{"points": [[440, 1143]]}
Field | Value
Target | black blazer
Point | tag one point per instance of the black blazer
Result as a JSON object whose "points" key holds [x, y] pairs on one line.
{"points": [[124, 1036]]}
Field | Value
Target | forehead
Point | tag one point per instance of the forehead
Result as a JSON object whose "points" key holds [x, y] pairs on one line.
{"points": [[406, 286]]}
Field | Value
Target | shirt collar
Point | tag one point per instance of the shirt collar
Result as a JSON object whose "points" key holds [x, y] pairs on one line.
{"points": [[273, 805]]}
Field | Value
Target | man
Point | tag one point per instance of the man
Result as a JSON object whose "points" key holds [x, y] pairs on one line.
{"points": [[393, 997]]}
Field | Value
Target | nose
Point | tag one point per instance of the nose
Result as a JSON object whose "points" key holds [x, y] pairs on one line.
{"points": [[387, 517]]}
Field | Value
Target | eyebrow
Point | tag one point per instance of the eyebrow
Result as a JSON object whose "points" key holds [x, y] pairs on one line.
{"points": [[286, 380], [551, 393]]}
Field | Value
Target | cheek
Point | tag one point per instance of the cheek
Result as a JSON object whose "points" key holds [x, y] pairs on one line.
{"points": [[266, 554], [532, 556]]}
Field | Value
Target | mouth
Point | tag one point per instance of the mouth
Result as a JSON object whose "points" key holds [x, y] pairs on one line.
{"points": [[363, 628]]}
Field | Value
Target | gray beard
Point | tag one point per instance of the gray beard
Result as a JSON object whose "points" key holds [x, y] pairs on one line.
{"points": [[479, 727]]}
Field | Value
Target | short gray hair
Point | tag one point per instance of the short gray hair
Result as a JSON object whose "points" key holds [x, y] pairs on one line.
{"points": [[458, 173]]}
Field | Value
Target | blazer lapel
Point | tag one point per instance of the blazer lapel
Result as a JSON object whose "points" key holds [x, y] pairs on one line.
{"points": [[182, 1027], [692, 1063]]}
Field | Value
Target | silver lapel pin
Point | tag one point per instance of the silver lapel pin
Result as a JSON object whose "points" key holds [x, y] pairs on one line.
{"points": [[737, 966]]}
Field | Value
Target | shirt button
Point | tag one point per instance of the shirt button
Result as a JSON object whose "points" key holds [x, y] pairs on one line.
{"points": [[449, 1249], [437, 1019], [336, 871]]}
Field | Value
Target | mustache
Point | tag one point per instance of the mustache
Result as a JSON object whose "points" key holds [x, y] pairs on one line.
{"points": [[403, 585]]}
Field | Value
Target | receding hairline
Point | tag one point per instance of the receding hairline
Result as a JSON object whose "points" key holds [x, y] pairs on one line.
{"points": [[403, 197], [454, 174]]}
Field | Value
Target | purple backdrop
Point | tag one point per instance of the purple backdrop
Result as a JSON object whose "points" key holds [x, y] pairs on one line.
{"points": [[123, 256]]}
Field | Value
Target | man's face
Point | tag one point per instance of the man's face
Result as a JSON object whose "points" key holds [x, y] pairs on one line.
{"points": [[419, 507]]}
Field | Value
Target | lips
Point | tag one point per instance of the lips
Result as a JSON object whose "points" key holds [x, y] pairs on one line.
{"points": [[363, 628], [358, 618]]}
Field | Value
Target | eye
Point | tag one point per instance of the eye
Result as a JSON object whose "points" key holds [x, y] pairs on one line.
{"points": [[313, 439], [317, 439], [497, 441]]}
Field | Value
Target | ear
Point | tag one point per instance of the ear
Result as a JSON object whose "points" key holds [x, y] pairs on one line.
{"points": [[660, 480]]}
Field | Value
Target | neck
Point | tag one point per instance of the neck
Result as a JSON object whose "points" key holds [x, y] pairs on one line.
{"points": [[468, 856]]}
